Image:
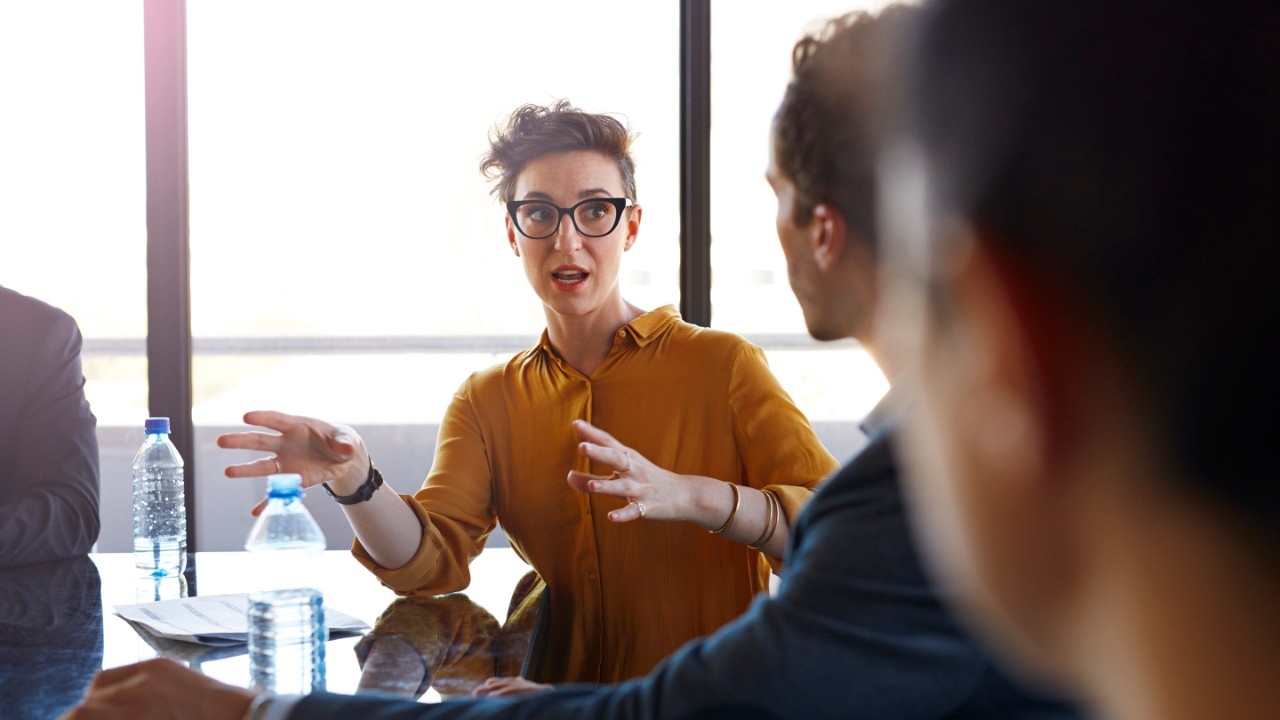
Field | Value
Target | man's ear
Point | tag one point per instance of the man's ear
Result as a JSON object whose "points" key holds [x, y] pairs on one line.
{"points": [[1017, 367], [828, 236], [511, 235]]}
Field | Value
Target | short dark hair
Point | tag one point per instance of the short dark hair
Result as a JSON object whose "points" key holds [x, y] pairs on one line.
{"points": [[1127, 150], [533, 131], [822, 130]]}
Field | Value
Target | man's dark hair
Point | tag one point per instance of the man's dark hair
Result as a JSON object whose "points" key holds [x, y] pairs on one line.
{"points": [[533, 131], [822, 129], [1126, 151]]}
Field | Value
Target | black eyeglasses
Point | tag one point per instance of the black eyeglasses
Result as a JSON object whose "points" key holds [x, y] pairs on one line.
{"points": [[593, 217]]}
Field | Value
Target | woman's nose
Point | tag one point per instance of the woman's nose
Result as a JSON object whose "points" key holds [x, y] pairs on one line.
{"points": [[568, 240]]}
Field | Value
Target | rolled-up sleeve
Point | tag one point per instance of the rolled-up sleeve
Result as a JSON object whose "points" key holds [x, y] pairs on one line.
{"points": [[454, 506], [780, 450]]}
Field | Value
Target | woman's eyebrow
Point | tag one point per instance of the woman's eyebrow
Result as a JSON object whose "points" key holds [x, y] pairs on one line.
{"points": [[592, 192]]}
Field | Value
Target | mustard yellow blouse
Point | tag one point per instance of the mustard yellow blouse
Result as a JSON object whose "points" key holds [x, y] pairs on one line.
{"points": [[622, 596]]}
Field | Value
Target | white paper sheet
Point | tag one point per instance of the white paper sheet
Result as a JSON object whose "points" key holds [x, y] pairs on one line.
{"points": [[215, 619]]}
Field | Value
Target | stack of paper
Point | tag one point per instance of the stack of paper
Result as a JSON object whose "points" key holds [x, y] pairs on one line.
{"points": [[215, 619]]}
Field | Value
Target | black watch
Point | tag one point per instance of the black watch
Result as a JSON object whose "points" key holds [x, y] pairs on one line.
{"points": [[362, 493]]}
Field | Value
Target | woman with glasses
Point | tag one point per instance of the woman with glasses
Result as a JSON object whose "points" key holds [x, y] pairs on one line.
{"points": [[657, 531]]}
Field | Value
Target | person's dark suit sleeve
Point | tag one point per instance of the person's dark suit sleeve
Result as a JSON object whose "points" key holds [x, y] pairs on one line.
{"points": [[854, 632], [49, 502]]}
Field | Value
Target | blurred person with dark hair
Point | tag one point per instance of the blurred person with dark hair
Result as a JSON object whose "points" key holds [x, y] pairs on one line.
{"points": [[1081, 201], [856, 630], [659, 536], [48, 443]]}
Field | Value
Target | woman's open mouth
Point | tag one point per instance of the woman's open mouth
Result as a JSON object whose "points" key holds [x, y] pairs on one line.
{"points": [[569, 276]]}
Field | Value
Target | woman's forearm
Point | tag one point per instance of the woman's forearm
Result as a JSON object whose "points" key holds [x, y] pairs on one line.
{"points": [[753, 520], [389, 530]]}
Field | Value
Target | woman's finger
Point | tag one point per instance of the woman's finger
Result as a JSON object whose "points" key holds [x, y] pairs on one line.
{"points": [[277, 421], [250, 440], [578, 480], [627, 513], [620, 458], [621, 487], [506, 686], [341, 444], [591, 433], [257, 509], [261, 467]]}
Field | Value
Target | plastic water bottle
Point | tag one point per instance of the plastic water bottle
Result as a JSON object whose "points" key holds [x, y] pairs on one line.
{"points": [[286, 619], [159, 504]]}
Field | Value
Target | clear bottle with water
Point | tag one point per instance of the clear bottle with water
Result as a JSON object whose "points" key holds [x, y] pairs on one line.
{"points": [[159, 503], [286, 616]]}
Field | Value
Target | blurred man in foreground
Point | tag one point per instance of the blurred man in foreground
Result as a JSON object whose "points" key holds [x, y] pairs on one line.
{"points": [[1079, 210]]}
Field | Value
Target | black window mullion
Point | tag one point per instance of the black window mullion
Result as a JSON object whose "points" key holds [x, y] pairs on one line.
{"points": [[168, 261], [695, 161]]}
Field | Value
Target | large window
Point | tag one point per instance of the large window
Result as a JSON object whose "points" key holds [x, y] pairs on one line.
{"points": [[73, 204], [347, 259], [836, 384]]}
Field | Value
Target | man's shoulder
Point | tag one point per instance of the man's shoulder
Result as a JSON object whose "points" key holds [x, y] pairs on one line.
{"points": [[857, 519], [32, 328], [24, 314], [873, 467]]}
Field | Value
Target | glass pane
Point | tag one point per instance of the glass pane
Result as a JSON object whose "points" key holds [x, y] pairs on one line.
{"points": [[73, 205], [337, 206], [835, 384]]}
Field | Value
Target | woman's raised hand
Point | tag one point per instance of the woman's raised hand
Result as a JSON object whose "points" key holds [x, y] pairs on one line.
{"points": [[653, 493], [318, 451]]}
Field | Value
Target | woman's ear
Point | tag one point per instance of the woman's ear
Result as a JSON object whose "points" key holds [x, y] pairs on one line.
{"points": [[511, 235], [633, 226]]}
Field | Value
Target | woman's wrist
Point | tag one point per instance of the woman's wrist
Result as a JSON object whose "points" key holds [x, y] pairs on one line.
{"points": [[357, 473], [714, 503]]}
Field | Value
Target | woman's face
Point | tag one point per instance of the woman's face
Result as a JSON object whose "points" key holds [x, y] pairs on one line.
{"points": [[573, 274]]}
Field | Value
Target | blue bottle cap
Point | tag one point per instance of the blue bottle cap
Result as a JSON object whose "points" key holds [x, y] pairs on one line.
{"points": [[156, 425], [284, 484]]}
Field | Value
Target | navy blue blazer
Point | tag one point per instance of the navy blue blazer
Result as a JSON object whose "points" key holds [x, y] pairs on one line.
{"points": [[48, 439], [856, 630]]}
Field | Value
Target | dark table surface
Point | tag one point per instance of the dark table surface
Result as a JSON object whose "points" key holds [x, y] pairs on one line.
{"points": [[58, 627]]}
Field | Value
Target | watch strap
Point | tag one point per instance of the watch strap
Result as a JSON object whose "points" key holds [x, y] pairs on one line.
{"points": [[362, 493]]}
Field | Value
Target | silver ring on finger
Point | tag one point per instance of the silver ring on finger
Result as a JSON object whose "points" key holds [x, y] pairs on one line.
{"points": [[276, 460], [640, 507]]}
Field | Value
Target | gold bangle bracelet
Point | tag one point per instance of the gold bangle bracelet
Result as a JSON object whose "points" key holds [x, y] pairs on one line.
{"points": [[774, 509], [737, 500]]}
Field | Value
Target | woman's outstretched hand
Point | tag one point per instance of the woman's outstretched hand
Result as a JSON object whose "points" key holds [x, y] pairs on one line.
{"points": [[653, 493], [318, 451]]}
